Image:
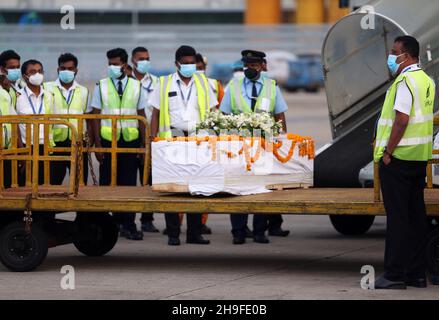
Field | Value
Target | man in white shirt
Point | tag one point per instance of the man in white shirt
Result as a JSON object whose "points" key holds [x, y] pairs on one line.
{"points": [[69, 98], [140, 58], [185, 108], [34, 100], [403, 147]]}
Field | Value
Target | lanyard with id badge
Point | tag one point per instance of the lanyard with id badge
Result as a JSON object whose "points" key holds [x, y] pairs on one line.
{"points": [[185, 101]]}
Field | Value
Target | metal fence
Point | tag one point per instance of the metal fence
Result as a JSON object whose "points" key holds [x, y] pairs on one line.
{"points": [[220, 43]]}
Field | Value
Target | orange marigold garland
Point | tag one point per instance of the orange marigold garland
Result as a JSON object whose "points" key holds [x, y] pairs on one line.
{"points": [[305, 145]]}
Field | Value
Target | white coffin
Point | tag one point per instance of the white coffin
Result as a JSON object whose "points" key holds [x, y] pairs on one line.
{"points": [[180, 166]]}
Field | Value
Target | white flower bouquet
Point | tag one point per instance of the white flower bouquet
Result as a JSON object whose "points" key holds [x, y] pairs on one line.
{"points": [[244, 124]]}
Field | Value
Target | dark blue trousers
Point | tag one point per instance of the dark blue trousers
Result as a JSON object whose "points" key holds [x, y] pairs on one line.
{"points": [[239, 222]]}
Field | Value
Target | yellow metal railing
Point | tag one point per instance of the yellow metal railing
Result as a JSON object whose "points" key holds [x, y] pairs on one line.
{"points": [[30, 153], [376, 182], [32, 157]]}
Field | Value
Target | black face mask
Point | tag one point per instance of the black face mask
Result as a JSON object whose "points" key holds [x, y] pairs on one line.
{"points": [[251, 74]]}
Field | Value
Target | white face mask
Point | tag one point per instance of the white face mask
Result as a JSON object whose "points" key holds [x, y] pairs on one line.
{"points": [[238, 74], [36, 79]]}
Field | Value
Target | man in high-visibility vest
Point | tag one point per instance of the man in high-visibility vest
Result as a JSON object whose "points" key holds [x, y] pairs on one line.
{"points": [[69, 97], [253, 93], [6, 109], [119, 95], [140, 57], [403, 147], [10, 65], [180, 101]]}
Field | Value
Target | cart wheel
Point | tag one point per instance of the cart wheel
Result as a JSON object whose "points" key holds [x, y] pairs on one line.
{"points": [[433, 252], [352, 225], [20, 251], [97, 234]]}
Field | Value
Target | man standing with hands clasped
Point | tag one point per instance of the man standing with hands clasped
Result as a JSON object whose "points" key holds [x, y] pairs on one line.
{"points": [[403, 146], [180, 101]]}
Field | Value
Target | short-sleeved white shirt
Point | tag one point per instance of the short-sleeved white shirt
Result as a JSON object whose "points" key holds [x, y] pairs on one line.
{"points": [[183, 116], [24, 107], [404, 99]]}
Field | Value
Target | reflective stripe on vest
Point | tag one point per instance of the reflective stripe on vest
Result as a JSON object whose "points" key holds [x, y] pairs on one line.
{"points": [[202, 86], [112, 104], [61, 106], [416, 144], [5, 105], [266, 101], [13, 95]]}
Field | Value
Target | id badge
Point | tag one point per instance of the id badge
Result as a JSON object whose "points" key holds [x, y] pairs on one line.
{"points": [[265, 104]]}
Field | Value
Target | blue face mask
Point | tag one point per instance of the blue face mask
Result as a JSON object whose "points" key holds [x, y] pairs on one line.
{"points": [[66, 76], [391, 63], [114, 72], [143, 66], [13, 74], [188, 70]]}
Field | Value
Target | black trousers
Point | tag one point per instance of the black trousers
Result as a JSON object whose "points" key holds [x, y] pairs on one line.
{"points": [[7, 174], [127, 164], [58, 169], [193, 225], [146, 216], [173, 219], [402, 185], [239, 223], [274, 221]]}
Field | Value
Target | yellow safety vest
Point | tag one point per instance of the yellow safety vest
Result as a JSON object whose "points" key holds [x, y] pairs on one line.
{"points": [[202, 86], [13, 95], [5, 107], [417, 142], [112, 104], [74, 105], [266, 101]]}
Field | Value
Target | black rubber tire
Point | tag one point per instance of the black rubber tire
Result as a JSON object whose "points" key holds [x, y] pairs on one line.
{"points": [[432, 251], [21, 252], [352, 225], [97, 234]]}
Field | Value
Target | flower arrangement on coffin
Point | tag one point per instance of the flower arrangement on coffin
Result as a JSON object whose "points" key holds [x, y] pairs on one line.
{"points": [[244, 124]]}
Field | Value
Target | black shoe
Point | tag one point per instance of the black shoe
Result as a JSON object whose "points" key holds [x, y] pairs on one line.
{"points": [[248, 233], [205, 229], [261, 239], [238, 240], [148, 226], [173, 241], [434, 279], [278, 232], [133, 234], [383, 283], [417, 283], [197, 240]]}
